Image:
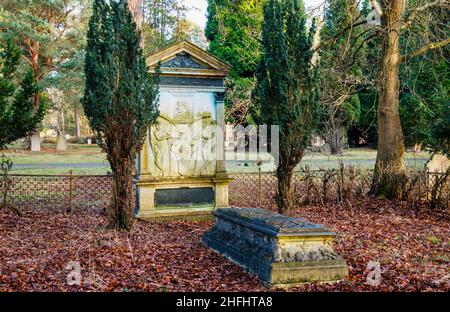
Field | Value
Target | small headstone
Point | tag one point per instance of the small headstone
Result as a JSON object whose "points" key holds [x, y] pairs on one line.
{"points": [[280, 250], [317, 141], [61, 144], [35, 142], [89, 141], [438, 164]]}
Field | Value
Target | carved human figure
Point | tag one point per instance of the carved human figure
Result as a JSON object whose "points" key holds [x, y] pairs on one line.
{"points": [[183, 149], [184, 143], [183, 115], [203, 146], [209, 149], [197, 153], [165, 157]]}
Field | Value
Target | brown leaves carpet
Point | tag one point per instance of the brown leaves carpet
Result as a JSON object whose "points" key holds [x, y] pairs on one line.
{"points": [[36, 252]]}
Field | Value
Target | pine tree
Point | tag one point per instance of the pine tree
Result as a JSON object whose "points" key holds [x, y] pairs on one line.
{"points": [[165, 22], [44, 31], [233, 30], [18, 116], [287, 91], [120, 98]]}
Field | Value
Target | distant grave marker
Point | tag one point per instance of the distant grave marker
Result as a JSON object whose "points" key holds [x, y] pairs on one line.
{"points": [[436, 167], [438, 164]]}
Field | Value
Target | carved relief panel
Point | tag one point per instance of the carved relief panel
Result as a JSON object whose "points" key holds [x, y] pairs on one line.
{"points": [[182, 143]]}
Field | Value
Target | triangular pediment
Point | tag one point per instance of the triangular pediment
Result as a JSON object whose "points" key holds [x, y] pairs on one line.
{"points": [[185, 58]]}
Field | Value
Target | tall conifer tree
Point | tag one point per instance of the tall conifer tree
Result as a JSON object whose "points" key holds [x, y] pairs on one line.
{"points": [[287, 91], [120, 98], [233, 30], [18, 116]]}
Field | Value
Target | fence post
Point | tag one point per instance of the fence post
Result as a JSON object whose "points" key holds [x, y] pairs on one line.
{"points": [[70, 191], [259, 184]]}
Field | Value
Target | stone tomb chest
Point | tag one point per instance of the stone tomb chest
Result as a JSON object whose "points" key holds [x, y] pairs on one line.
{"points": [[282, 251], [181, 169]]}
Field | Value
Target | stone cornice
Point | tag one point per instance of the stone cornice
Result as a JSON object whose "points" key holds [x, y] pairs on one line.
{"points": [[215, 67]]}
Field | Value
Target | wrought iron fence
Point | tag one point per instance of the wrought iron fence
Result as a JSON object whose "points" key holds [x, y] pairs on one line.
{"points": [[59, 191], [310, 187], [321, 187], [317, 187]]}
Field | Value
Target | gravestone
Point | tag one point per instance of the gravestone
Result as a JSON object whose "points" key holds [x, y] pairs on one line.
{"points": [[280, 250], [181, 168], [35, 142], [438, 164], [61, 143], [436, 167]]}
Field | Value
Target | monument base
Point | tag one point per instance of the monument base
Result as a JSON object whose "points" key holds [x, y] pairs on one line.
{"points": [[281, 251], [181, 198]]}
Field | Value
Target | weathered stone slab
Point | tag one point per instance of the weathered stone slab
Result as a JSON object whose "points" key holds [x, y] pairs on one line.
{"points": [[184, 197], [282, 251]]}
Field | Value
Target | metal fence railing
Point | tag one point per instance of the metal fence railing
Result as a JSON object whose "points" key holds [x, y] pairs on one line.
{"points": [[59, 191], [317, 187]]}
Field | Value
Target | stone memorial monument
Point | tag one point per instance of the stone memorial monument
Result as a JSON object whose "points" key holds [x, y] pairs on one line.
{"points": [[439, 163], [280, 250], [181, 168], [436, 168]]}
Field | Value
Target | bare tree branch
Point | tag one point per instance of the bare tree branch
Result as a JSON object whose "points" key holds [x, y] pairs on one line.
{"points": [[415, 12], [376, 6], [326, 40], [425, 49]]}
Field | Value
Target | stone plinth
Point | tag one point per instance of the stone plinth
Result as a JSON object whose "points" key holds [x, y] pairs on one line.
{"points": [[189, 198], [280, 250]]}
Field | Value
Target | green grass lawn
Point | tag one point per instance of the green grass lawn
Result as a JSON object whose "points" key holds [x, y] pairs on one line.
{"points": [[359, 157], [89, 159], [76, 153], [62, 171], [80, 158]]}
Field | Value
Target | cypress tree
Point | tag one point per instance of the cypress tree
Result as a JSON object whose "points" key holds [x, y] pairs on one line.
{"points": [[233, 30], [287, 91], [120, 98]]}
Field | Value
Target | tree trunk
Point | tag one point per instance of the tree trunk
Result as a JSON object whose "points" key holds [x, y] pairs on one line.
{"points": [[77, 122], [136, 7], [285, 190], [121, 209], [6, 186], [390, 165], [335, 149], [335, 139], [34, 52], [35, 137]]}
